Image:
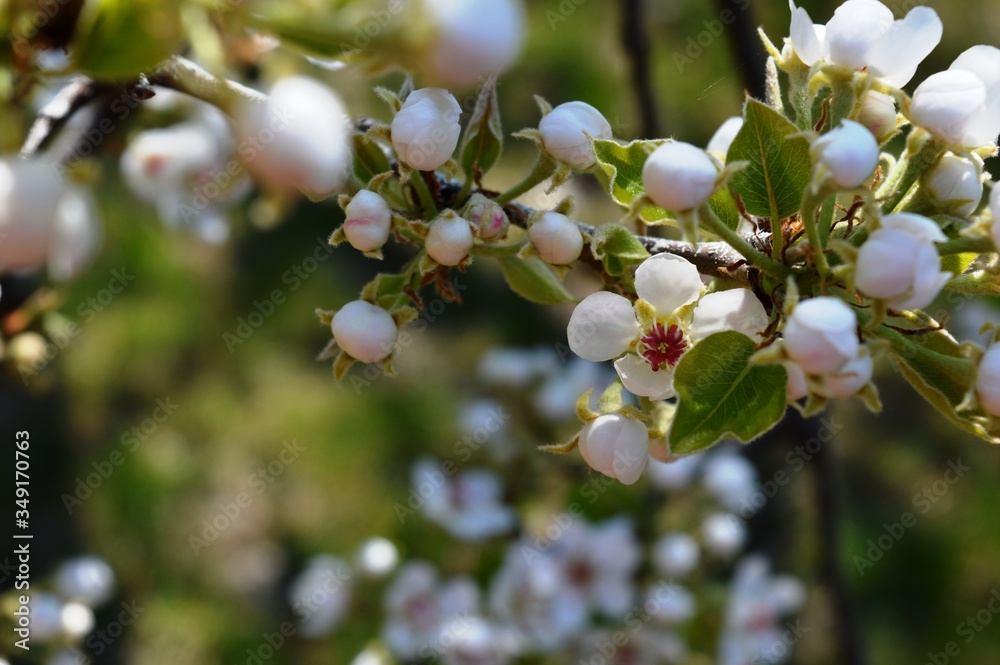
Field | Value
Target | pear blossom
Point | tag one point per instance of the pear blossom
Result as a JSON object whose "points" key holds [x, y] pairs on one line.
{"points": [[469, 506], [377, 558], [900, 264], [955, 184], [675, 555], [76, 234], [365, 331], [629, 645], [567, 132], [600, 561], [995, 214], [368, 221], [864, 35], [676, 474], [724, 135], [679, 176], [30, 193], [46, 616], [854, 376], [730, 477], [77, 620], [674, 607], [475, 38], [88, 579], [988, 380], [320, 595], [820, 335], [472, 640], [797, 387], [723, 534], [878, 114], [556, 238], [449, 239], [847, 155], [556, 398], [961, 105], [616, 445], [605, 326], [425, 131]]}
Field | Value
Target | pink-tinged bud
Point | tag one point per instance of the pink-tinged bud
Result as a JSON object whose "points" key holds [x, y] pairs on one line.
{"points": [[988, 380], [878, 115], [849, 154], [617, 446], [297, 139], [556, 238], [449, 239], [368, 221], [567, 132], [425, 131], [820, 335], [488, 216], [30, 192], [679, 176], [364, 331]]}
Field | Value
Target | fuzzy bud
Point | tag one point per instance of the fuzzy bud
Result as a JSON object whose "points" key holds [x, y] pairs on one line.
{"points": [[878, 115], [900, 264], [617, 446], [820, 335], [854, 376], [556, 238], [679, 176], [955, 184], [425, 132], [988, 380], [449, 239], [567, 132], [364, 331], [475, 38], [368, 221], [488, 216], [849, 154]]}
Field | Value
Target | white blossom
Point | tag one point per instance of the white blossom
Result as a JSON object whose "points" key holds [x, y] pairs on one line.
{"points": [[723, 534], [319, 595], [899, 263], [672, 608], [820, 335], [961, 105], [995, 214], [425, 131], [852, 377], [724, 135], [556, 238], [730, 477], [449, 239], [679, 176], [988, 380], [617, 446], [567, 132], [76, 234], [77, 620], [418, 605], [955, 184], [599, 562], [30, 192], [676, 474], [675, 555], [475, 38], [367, 222], [470, 505], [377, 558], [88, 579], [365, 331], [847, 155]]}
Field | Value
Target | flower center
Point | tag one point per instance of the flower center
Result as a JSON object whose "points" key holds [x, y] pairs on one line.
{"points": [[664, 346]]}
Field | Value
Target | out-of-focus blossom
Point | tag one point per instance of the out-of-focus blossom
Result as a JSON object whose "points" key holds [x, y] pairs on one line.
{"points": [[730, 477], [469, 506], [88, 579], [320, 594], [419, 605]]}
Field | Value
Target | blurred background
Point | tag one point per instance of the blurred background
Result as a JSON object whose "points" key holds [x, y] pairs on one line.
{"points": [[177, 420]]}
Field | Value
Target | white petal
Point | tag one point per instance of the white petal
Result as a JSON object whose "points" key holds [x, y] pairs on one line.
{"points": [[736, 309], [805, 41], [928, 280], [667, 282], [638, 377], [855, 28], [887, 263], [852, 378], [917, 226], [945, 101], [984, 62], [895, 56], [602, 326], [724, 135]]}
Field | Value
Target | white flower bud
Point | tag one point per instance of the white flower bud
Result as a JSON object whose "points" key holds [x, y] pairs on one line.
{"points": [[368, 221], [449, 239], [488, 215], [297, 139], [77, 620], [730, 477], [30, 192], [820, 335], [724, 135], [900, 264], [988, 380], [425, 131], [878, 114], [475, 38], [675, 554], [567, 131], [854, 376], [377, 558], [955, 179], [364, 331], [848, 153], [679, 176], [88, 579], [556, 238], [617, 446], [723, 534]]}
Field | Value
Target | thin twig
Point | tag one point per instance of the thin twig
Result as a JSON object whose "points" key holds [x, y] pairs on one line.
{"points": [[188, 77], [54, 115], [636, 43]]}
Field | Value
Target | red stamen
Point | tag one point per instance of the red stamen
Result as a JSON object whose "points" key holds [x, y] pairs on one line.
{"points": [[664, 347]]}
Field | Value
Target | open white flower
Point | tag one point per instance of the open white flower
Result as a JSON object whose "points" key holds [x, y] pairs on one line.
{"points": [[605, 326], [469, 506], [962, 104], [864, 35], [900, 264]]}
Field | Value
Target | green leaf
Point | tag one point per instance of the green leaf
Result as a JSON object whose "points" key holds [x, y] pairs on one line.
{"points": [[369, 159], [779, 167], [938, 368], [976, 283], [720, 395], [620, 169], [118, 39], [483, 140], [724, 207], [617, 248], [533, 280]]}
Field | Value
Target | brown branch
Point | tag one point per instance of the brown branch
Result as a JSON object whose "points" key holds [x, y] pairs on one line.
{"points": [[54, 115]]}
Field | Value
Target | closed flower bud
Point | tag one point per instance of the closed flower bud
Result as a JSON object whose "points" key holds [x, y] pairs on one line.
{"points": [[955, 183], [820, 335], [425, 131], [30, 192], [488, 216], [854, 376], [475, 38], [298, 138], [849, 154], [988, 380], [675, 554], [556, 238], [900, 264], [368, 221], [617, 446], [364, 331], [449, 239], [723, 534], [679, 176], [878, 115], [797, 387], [567, 131]]}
